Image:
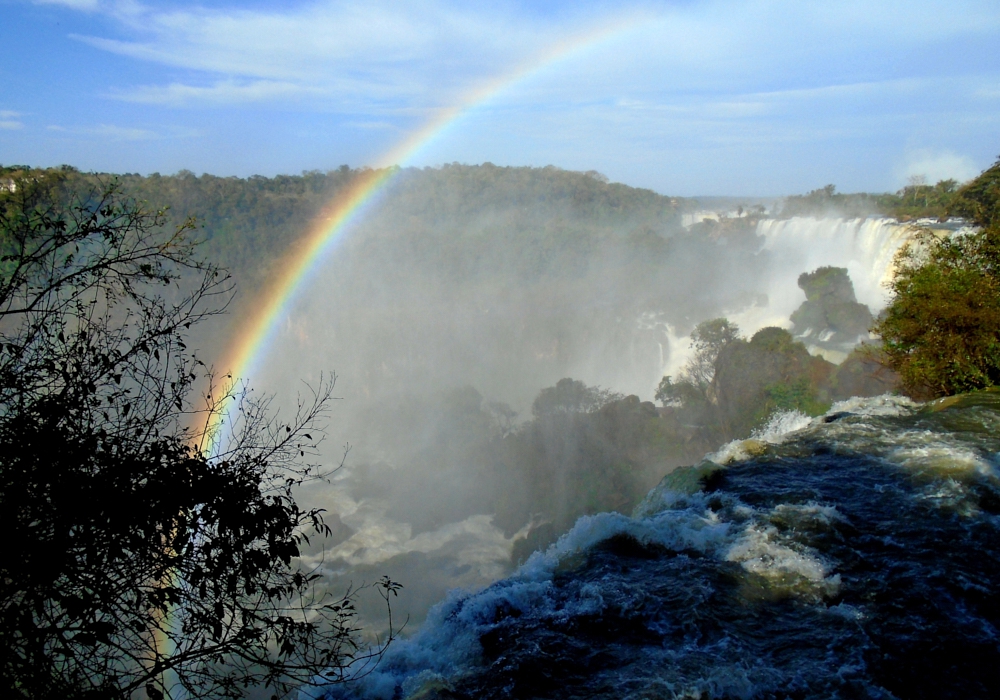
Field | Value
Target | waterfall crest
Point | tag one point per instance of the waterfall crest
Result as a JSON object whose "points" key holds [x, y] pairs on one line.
{"points": [[866, 247]]}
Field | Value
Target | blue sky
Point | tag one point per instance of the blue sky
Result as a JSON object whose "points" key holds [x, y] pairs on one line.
{"points": [[750, 98]]}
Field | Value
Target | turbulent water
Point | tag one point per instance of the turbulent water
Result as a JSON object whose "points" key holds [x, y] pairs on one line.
{"points": [[855, 555]]}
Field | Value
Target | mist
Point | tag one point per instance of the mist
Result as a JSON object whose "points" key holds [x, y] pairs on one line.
{"points": [[465, 292]]}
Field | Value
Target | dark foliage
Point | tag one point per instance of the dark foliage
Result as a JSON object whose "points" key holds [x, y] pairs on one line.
{"points": [[568, 463], [249, 224], [571, 396], [731, 386], [769, 372], [147, 552]]}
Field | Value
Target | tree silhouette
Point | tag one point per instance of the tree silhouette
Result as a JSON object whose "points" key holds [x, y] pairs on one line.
{"points": [[146, 551]]}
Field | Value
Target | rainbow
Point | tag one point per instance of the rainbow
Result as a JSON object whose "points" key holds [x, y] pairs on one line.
{"points": [[248, 350]]}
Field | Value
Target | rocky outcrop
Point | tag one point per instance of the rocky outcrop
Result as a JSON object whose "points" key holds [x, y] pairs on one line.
{"points": [[830, 318]]}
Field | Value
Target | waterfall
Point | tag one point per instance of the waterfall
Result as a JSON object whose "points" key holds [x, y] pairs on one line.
{"points": [[866, 247]]}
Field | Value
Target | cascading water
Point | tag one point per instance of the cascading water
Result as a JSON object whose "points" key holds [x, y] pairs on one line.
{"points": [[855, 556], [866, 247]]}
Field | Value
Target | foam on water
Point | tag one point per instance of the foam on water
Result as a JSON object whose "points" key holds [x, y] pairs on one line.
{"points": [[448, 642], [785, 569], [689, 527], [818, 564], [678, 485], [884, 405], [779, 426], [941, 458]]}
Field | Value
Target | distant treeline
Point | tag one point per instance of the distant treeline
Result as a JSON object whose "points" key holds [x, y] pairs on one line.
{"points": [[249, 223], [501, 233], [246, 223], [917, 200]]}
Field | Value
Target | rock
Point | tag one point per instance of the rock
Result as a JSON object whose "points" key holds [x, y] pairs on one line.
{"points": [[831, 316]]}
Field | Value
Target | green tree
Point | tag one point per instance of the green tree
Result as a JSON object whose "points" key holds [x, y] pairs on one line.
{"points": [[136, 559], [571, 396], [941, 332], [707, 340], [679, 393], [979, 200]]}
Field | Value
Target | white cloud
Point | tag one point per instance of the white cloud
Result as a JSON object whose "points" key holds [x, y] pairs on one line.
{"points": [[376, 50], [936, 166], [221, 93], [435, 47], [123, 133], [109, 132], [84, 5], [9, 120], [430, 53], [378, 125]]}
